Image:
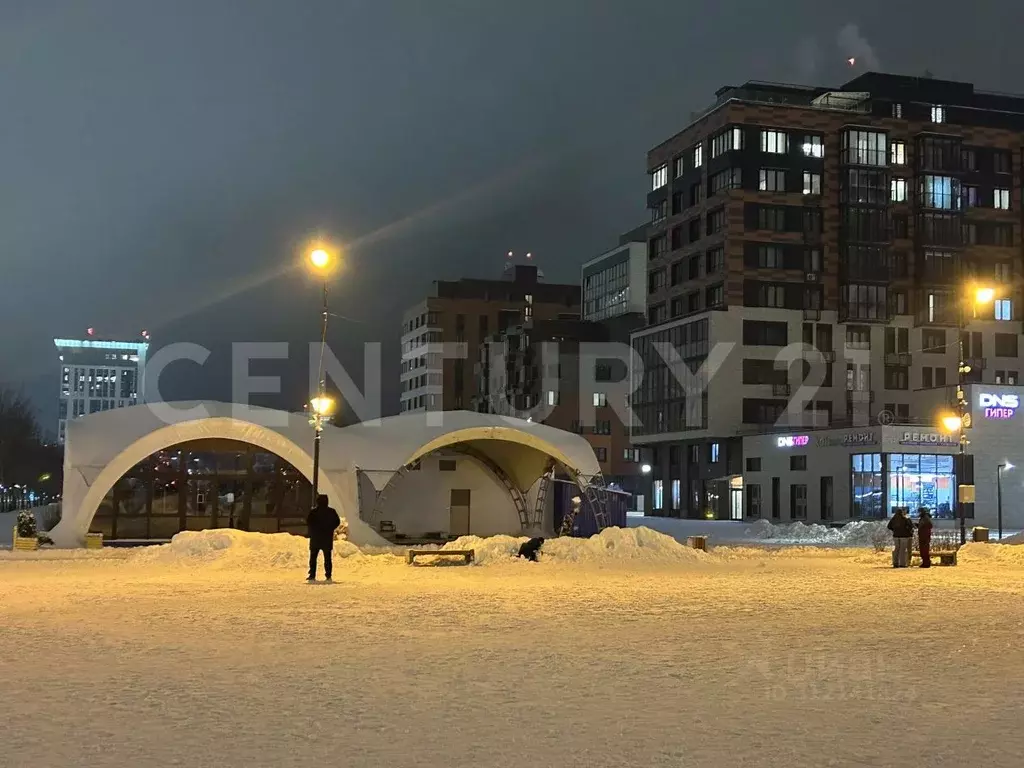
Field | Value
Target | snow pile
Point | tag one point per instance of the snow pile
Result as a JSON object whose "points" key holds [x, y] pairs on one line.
{"points": [[229, 548], [610, 545], [974, 553], [856, 534], [1017, 538]]}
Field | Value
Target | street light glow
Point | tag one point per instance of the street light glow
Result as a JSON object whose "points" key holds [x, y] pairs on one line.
{"points": [[951, 422], [646, 469], [320, 258], [984, 295], [322, 405]]}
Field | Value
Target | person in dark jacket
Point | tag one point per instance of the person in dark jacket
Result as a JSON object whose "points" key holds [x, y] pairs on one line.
{"points": [[529, 549], [321, 523], [924, 537], [902, 528]]}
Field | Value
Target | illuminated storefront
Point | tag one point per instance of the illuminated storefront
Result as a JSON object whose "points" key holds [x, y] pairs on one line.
{"points": [[832, 475]]}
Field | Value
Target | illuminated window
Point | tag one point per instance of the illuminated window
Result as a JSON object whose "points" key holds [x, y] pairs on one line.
{"points": [[771, 180], [814, 146], [774, 142], [1002, 199], [600, 399], [698, 156], [898, 153], [899, 190], [812, 183], [1004, 309], [659, 177], [658, 495], [938, 114]]}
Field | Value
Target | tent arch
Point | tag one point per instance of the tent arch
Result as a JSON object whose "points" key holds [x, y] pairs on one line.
{"points": [[480, 436], [72, 530]]}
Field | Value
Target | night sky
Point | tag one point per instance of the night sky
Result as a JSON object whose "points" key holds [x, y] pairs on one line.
{"points": [[164, 162]]}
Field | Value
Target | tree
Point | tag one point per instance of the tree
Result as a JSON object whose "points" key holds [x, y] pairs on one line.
{"points": [[24, 459]]}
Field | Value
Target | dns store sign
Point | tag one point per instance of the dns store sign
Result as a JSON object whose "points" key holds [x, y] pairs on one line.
{"points": [[792, 441], [998, 406]]}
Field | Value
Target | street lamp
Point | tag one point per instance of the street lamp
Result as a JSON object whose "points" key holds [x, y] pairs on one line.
{"points": [[999, 494], [645, 469], [321, 406], [976, 296]]}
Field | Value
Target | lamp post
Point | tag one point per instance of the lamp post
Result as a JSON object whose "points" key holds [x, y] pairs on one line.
{"points": [[975, 295], [321, 406], [999, 494]]}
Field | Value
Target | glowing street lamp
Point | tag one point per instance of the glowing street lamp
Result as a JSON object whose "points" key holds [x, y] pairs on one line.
{"points": [[645, 469], [320, 258], [321, 406], [976, 295], [951, 422]]}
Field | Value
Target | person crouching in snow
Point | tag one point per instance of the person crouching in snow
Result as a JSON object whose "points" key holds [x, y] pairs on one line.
{"points": [[529, 549], [924, 537], [902, 535]]}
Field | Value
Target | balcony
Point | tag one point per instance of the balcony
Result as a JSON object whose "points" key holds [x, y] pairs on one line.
{"points": [[780, 390], [898, 358]]}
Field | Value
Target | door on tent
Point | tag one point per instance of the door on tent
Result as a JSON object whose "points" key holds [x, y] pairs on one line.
{"points": [[735, 503], [458, 512]]}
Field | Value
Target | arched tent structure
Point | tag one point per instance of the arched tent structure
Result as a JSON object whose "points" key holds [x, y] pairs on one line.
{"points": [[101, 448]]}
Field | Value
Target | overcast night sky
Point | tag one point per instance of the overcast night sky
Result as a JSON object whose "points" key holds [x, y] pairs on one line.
{"points": [[159, 157]]}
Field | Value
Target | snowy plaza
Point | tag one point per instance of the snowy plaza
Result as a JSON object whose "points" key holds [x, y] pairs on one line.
{"points": [[626, 649]]}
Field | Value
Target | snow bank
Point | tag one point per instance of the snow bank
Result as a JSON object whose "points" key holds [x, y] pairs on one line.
{"points": [[611, 545], [229, 548], [1017, 538], [974, 553], [856, 534]]}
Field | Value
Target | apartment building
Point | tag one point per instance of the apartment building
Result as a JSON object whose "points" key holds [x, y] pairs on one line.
{"points": [[97, 375], [810, 253], [442, 333]]}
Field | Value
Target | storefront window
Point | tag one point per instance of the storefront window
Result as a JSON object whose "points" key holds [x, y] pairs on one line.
{"points": [[866, 483], [921, 480]]}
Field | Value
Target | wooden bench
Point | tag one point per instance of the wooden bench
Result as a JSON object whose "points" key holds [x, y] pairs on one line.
{"points": [[945, 557], [467, 555]]}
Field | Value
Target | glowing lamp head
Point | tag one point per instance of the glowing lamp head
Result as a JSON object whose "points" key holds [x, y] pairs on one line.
{"points": [[645, 469], [320, 258], [984, 295], [951, 422], [322, 405]]}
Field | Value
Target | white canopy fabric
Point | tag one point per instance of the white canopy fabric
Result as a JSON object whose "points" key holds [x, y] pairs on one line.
{"points": [[102, 447]]}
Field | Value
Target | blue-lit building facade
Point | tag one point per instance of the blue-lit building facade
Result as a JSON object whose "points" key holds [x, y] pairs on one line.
{"points": [[98, 375]]}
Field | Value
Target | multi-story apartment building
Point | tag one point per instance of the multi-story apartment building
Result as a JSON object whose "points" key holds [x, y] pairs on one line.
{"points": [[538, 370], [97, 375], [809, 253], [614, 282], [442, 333], [543, 369]]}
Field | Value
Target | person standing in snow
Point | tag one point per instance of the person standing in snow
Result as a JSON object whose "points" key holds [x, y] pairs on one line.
{"points": [[924, 537], [902, 535], [321, 524]]}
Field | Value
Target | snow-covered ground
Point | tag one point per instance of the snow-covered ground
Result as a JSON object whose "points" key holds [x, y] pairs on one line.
{"points": [[855, 534], [626, 650]]}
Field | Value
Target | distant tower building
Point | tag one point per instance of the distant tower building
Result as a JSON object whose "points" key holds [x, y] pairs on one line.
{"points": [[97, 375]]}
